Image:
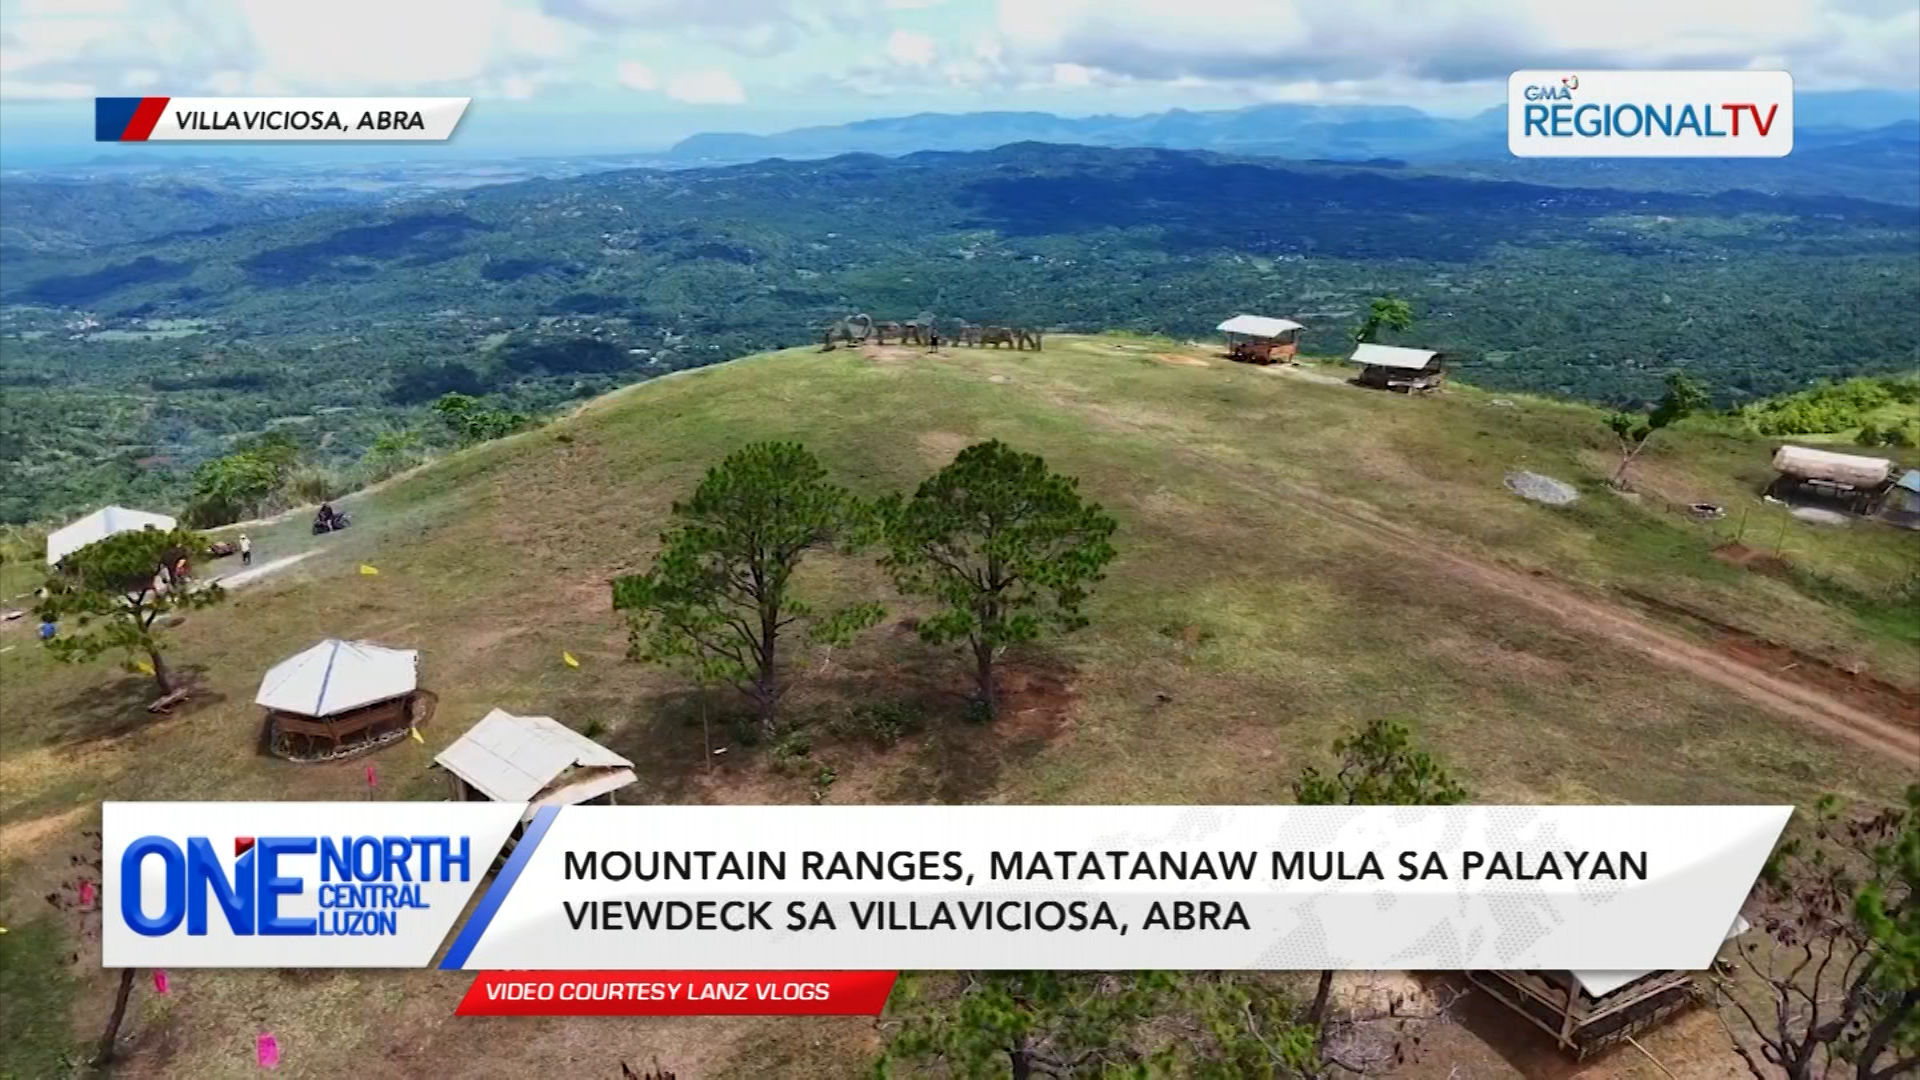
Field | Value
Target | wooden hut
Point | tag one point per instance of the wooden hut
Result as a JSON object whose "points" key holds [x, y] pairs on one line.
{"points": [[1589, 1011], [532, 759], [1390, 367], [1850, 479], [1257, 339], [339, 698]]}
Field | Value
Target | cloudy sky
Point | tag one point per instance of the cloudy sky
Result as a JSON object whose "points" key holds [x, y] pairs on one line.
{"points": [[579, 75]]}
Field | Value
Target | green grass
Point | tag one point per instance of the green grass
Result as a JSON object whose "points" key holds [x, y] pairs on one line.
{"points": [[36, 989], [1228, 483]]}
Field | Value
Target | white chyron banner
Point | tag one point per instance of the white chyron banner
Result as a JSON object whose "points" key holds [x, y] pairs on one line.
{"points": [[1582, 888], [279, 119]]}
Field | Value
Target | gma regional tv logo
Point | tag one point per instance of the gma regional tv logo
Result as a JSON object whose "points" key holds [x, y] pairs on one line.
{"points": [[1650, 113], [363, 886]]}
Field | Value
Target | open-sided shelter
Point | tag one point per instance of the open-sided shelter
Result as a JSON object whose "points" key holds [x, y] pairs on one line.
{"points": [[1853, 479], [1391, 367], [97, 526], [338, 697], [1588, 1011], [532, 759], [1261, 340]]}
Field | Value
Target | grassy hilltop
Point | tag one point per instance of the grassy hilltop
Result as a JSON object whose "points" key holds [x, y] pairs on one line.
{"points": [[1296, 556]]}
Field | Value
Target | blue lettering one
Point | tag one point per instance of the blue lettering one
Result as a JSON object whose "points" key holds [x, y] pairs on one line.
{"points": [[272, 886], [336, 859], [1688, 119], [398, 850], [205, 874], [1536, 121], [175, 874], [1562, 115], [1587, 112], [1711, 134]]}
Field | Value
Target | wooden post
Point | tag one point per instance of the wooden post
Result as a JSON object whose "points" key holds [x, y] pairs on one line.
{"points": [[1780, 542], [1742, 532]]}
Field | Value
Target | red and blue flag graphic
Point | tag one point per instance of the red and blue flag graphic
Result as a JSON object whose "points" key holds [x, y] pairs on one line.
{"points": [[126, 119]]}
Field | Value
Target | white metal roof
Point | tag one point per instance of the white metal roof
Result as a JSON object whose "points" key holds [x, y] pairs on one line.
{"points": [[335, 676], [98, 526], [1258, 326], [513, 758], [1599, 984], [1393, 356], [1827, 465]]}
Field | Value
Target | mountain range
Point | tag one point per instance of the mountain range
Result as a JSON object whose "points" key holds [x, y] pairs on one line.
{"points": [[1348, 132]]}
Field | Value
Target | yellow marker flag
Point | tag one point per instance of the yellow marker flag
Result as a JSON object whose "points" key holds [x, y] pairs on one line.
{"points": [[144, 667], [368, 570], [568, 658], [415, 732]]}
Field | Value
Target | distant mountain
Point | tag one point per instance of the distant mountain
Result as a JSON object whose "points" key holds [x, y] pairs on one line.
{"points": [[1299, 131], [41, 217], [1344, 132]]}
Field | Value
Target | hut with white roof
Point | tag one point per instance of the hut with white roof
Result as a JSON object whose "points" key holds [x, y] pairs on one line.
{"points": [[1588, 1011], [1259, 339], [339, 698], [535, 760], [1392, 367]]}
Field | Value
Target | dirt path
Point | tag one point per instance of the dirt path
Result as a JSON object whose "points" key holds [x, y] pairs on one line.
{"points": [[1580, 612], [254, 573]]}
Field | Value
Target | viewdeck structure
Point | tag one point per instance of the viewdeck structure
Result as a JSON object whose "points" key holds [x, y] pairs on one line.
{"points": [[1257, 339], [1390, 367]]}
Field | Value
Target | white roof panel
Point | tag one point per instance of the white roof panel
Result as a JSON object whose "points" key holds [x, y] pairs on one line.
{"points": [[513, 758], [336, 676], [98, 526], [1258, 326], [1393, 356]]}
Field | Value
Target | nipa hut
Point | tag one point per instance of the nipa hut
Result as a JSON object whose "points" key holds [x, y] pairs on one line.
{"points": [[1588, 1011], [338, 698], [1851, 479], [532, 759], [1391, 367], [1258, 339]]}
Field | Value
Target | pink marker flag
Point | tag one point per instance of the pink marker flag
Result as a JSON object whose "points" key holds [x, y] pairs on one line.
{"points": [[160, 983], [369, 775], [267, 1049], [86, 894]]}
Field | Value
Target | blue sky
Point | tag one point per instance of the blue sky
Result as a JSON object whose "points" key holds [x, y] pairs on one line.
{"points": [[558, 76]]}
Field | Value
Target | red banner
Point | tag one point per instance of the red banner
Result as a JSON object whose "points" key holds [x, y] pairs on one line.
{"points": [[678, 993]]}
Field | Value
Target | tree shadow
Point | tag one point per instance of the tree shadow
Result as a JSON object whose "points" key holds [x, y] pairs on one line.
{"points": [[116, 709]]}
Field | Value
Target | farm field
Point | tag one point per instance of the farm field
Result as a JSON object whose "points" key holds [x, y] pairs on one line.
{"points": [[1296, 557]]}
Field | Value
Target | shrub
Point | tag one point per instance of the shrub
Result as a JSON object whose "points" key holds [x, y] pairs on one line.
{"points": [[791, 748], [882, 723]]}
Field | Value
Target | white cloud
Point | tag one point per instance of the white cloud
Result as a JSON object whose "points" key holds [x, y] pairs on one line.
{"points": [[710, 86], [636, 76], [912, 5], [1072, 75], [910, 48], [1462, 41]]}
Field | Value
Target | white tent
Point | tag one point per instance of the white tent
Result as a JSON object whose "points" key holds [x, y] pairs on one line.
{"points": [[1392, 356], [1258, 326], [98, 526], [512, 758], [337, 676]]}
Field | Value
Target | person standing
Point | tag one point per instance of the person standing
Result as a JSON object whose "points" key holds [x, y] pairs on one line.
{"points": [[246, 550]]}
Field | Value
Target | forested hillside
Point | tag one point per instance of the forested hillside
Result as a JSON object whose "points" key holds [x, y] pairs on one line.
{"points": [[125, 368]]}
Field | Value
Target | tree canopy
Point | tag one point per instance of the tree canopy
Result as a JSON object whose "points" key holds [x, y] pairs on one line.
{"points": [[719, 596], [1004, 545], [110, 595]]}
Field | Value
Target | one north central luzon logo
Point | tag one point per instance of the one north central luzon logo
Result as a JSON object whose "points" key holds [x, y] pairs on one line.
{"points": [[1557, 111], [366, 883]]}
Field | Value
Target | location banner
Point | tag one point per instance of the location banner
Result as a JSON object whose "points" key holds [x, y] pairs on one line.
{"points": [[237, 119], [883, 888]]}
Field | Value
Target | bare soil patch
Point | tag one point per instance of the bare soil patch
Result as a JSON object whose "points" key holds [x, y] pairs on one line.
{"points": [[940, 447], [1177, 360], [1749, 559]]}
